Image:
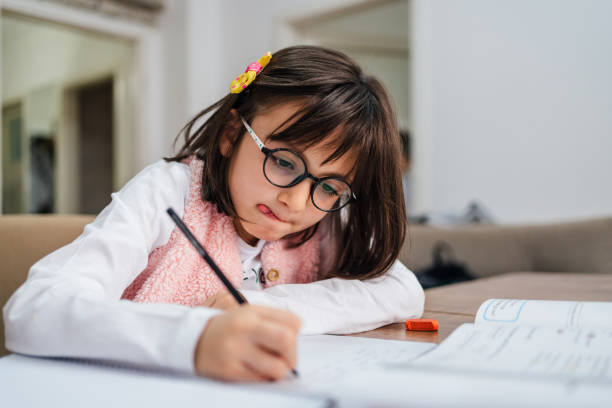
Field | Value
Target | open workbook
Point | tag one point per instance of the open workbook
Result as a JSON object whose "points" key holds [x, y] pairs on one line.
{"points": [[525, 353], [562, 340], [516, 353]]}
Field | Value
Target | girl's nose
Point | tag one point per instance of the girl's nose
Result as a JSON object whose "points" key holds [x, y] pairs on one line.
{"points": [[296, 198]]}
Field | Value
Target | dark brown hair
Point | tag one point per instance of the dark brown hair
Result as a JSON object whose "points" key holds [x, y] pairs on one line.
{"points": [[333, 94]]}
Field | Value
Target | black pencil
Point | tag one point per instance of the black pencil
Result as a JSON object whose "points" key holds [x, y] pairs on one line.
{"points": [[237, 295]]}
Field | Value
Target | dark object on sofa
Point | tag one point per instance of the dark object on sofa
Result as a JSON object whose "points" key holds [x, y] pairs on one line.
{"points": [[444, 270]]}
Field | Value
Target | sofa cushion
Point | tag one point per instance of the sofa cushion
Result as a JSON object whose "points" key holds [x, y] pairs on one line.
{"points": [[484, 250]]}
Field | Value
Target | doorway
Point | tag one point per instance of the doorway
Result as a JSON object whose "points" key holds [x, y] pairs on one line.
{"points": [[13, 187], [95, 124]]}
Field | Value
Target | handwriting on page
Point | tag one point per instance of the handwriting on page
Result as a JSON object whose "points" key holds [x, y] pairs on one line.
{"points": [[324, 360], [522, 349]]}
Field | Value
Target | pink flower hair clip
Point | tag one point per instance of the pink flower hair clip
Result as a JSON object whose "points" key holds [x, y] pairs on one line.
{"points": [[249, 75]]}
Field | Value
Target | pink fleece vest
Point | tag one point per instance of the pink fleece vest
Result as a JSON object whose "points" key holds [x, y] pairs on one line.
{"points": [[176, 273]]}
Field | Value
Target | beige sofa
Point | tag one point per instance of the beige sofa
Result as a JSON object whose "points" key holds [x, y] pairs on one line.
{"points": [[584, 246]]}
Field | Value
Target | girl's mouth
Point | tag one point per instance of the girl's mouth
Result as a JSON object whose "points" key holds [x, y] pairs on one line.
{"points": [[268, 212]]}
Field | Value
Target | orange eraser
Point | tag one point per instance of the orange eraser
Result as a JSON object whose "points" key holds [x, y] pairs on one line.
{"points": [[422, 324]]}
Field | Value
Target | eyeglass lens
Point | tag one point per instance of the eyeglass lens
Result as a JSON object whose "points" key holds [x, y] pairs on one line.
{"points": [[284, 168]]}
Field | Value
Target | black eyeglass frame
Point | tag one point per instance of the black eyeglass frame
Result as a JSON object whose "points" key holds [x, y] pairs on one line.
{"points": [[317, 180]]}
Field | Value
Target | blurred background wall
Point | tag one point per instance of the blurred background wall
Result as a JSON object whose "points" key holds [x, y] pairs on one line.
{"points": [[508, 102], [513, 103]]}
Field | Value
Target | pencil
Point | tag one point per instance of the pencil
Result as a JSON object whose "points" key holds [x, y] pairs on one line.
{"points": [[237, 295]]}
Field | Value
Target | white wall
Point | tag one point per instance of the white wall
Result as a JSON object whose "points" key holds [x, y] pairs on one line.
{"points": [[513, 107]]}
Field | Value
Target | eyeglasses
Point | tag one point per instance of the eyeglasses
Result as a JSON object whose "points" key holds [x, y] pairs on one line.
{"points": [[285, 168]]}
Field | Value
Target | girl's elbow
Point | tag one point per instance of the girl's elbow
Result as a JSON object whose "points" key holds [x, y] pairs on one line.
{"points": [[413, 296]]}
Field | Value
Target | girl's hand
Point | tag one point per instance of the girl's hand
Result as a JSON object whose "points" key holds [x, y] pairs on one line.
{"points": [[248, 343], [221, 300]]}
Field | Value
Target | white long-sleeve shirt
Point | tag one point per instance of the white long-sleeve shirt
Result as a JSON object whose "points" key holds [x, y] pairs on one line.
{"points": [[70, 304]]}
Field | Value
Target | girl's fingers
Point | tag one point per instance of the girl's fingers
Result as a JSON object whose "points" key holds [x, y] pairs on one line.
{"points": [[278, 339], [248, 374], [238, 371], [248, 344], [262, 364]]}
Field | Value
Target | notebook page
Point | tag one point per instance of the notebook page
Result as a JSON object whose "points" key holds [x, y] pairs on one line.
{"points": [[324, 360], [494, 366], [551, 313], [525, 351], [36, 382]]}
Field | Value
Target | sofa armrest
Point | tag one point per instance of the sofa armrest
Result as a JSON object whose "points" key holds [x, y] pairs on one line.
{"points": [[26, 239]]}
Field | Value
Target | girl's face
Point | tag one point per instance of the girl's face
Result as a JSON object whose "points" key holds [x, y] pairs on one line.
{"points": [[268, 212]]}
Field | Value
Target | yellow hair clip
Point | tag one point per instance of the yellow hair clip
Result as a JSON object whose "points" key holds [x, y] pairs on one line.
{"points": [[244, 80]]}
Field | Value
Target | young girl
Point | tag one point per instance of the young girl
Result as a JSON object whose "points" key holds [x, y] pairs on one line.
{"points": [[292, 185]]}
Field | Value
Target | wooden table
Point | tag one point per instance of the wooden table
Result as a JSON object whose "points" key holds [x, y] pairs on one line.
{"points": [[456, 304]]}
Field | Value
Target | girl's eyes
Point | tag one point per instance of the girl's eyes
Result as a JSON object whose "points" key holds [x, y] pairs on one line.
{"points": [[284, 164], [328, 189]]}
